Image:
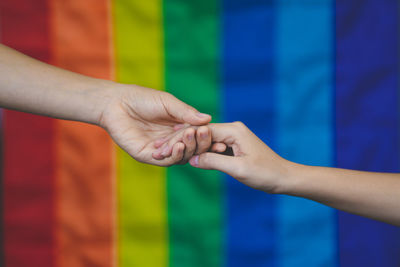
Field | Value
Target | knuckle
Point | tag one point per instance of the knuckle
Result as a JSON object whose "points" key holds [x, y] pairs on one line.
{"points": [[240, 128], [202, 130], [239, 125], [189, 131]]}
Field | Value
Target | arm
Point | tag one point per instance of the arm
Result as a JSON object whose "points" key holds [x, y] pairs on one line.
{"points": [[373, 195], [31, 86], [369, 194], [134, 116]]}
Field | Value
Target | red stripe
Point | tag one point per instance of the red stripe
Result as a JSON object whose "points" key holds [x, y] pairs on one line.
{"points": [[28, 148]]}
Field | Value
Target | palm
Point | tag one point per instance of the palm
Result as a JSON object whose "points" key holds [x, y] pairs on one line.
{"points": [[135, 122]]}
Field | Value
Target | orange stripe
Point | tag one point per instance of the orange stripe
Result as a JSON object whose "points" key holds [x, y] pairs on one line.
{"points": [[81, 43]]}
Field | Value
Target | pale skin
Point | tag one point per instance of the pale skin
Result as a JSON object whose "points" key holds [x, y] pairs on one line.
{"points": [[134, 116], [369, 194], [154, 127]]}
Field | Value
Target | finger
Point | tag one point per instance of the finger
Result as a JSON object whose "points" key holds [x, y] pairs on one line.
{"points": [[218, 147], [180, 126], [176, 156], [185, 113], [214, 161], [190, 143], [227, 133], [203, 138], [166, 149], [158, 154], [159, 142]]}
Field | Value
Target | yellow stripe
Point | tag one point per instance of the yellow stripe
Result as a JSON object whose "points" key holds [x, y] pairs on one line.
{"points": [[142, 226]]}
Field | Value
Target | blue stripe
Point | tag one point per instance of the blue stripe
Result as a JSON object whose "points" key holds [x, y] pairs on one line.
{"points": [[367, 116], [249, 97], [306, 230]]}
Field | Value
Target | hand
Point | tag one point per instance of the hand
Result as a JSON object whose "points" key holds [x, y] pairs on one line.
{"points": [[196, 139], [137, 117], [252, 162]]}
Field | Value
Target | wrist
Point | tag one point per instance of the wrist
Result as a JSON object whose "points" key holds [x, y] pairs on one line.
{"points": [[275, 178], [101, 98], [294, 180]]}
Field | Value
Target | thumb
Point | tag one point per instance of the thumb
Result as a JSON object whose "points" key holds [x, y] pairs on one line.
{"points": [[187, 114], [214, 161]]}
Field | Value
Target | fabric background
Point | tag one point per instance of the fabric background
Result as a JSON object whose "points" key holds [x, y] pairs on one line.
{"points": [[317, 80]]}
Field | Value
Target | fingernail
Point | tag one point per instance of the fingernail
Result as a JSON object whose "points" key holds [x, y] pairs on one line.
{"points": [[194, 161], [202, 115], [203, 135], [190, 137], [165, 150]]}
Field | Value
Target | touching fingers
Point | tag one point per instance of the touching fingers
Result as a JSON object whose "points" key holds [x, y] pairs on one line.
{"points": [[177, 128], [159, 142], [164, 145], [203, 138], [176, 156], [190, 143]]}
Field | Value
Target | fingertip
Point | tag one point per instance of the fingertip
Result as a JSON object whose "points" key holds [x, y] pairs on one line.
{"points": [[218, 147], [194, 161], [203, 116], [157, 155], [166, 151], [159, 142], [180, 147], [199, 119]]}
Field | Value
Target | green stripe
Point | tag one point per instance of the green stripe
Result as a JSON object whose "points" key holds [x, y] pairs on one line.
{"points": [[194, 196]]}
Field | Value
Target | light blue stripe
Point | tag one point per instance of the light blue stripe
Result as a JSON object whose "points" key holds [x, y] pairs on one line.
{"points": [[305, 65]]}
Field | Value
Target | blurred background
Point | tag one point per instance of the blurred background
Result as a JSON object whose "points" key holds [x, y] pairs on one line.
{"points": [[317, 80]]}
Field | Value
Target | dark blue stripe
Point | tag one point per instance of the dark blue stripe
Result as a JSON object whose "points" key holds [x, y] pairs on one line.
{"points": [[366, 125], [249, 97]]}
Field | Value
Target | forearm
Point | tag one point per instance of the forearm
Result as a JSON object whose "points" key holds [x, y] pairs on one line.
{"points": [[373, 195], [31, 86]]}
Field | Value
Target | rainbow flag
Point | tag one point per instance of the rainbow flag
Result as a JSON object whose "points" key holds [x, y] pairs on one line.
{"points": [[317, 80]]}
